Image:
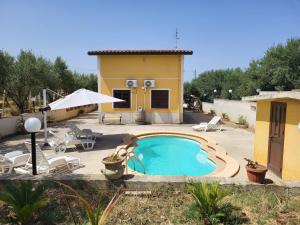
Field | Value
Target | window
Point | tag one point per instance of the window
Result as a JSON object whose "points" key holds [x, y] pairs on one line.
{"points": [[124, 95], [160, 99]]}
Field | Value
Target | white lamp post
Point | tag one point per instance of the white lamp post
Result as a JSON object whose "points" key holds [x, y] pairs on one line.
{"points": [[230, 92], [33, 125]]}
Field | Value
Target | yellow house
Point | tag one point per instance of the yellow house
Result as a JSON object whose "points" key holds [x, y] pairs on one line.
{"points": [[277, 132], [151, 80]]}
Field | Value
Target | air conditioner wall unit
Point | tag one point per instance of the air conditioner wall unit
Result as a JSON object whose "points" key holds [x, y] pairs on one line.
{"points": [[131, 83], [149, 83]]}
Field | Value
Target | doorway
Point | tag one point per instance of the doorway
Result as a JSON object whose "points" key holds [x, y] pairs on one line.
{"points": [[276, 137]]}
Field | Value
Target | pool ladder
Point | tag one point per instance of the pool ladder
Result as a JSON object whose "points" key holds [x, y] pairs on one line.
{"points": [[131, 155]]}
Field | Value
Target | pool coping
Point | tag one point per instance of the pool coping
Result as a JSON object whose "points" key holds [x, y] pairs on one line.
{"points": [[215, 151]]}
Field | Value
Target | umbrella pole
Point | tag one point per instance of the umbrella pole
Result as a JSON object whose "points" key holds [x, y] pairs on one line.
{"points": [[45, 118]]}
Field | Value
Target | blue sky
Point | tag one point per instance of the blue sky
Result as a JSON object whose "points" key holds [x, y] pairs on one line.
{"points": [[222, 34]]}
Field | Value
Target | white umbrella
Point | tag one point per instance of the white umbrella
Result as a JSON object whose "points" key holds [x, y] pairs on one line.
{"points": [[77, 98], [82, 97]]}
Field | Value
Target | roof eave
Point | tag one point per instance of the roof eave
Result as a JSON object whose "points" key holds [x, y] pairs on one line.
{"points": [[146, 52]]}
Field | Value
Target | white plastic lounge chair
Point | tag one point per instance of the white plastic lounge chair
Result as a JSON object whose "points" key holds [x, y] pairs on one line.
{"points": [[47, 164], [87, 143], [84, 133], [11, 160], [71, 141], [212, 124], [59, 145]]}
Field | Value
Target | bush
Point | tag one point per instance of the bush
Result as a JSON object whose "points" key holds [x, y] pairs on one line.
{"points": [[81, 112], [242, 120], [25, 199], [208, 201], [212, 112], [225, 116]]}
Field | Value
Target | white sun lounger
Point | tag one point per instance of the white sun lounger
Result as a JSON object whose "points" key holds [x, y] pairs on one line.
{"points": [[71, 141], [212, 124], [11, 160], [47, 164], [84, 133]]}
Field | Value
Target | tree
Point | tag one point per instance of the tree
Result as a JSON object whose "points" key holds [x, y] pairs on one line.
{"points": [[87, 81], [23, 79], [216, 84], [65, 75], [279, 69], [6, 66]]}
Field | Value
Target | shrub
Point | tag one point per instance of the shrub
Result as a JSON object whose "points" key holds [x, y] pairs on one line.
{"points": [[212, 112], [81, 112], [25, 199], [94, 215], [242, 120], [225, 116], [208, 201]]}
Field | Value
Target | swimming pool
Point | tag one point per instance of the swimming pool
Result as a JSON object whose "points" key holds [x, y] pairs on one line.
{"points": [[171, 156]]}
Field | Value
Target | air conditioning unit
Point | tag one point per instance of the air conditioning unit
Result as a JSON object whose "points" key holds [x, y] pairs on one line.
{"points": [[149, 83], [131, 83]]}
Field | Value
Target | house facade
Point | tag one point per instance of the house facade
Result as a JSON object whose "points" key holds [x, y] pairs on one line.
{"points": [[277, 132], [151, 80]]}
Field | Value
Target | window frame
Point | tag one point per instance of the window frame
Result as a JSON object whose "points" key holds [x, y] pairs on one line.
{"points": [[122, 89], [161, 89]]}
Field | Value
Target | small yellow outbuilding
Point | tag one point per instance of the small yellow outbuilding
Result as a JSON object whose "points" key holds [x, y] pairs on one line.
{"points": [[277, 132], [151, 80]]}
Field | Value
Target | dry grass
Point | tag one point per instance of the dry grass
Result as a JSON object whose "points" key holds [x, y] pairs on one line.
{"points": [[168, 206]]}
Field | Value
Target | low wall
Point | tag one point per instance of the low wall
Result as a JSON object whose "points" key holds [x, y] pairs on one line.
{"points": [[234, 109], [64, 114], [8, 126], [206, 107], [98, 181]]}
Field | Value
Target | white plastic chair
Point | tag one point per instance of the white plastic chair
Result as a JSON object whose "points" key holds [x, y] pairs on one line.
{"points": [[212, 124]]}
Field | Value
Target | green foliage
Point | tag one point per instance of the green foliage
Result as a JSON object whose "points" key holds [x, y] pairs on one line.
{"points": [[225, 116], [216, 84], [277, 70], [208, 201], [25, 199], [6, 64], [242, 120], [87, 81], [29, 74], [212, 112], [95, 215]]}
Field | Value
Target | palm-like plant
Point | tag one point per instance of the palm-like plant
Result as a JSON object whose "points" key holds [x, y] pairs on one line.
{"points": [[25, 199], [208, 199], [94, 214]]}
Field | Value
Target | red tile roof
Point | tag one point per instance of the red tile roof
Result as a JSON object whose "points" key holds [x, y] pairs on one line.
{"points": [[141, 52]]}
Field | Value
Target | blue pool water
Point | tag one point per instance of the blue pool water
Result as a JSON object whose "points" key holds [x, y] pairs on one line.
{"points": [[171, 156]]}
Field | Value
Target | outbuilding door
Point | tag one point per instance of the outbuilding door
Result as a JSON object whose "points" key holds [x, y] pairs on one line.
{"points": [[276, 137]]}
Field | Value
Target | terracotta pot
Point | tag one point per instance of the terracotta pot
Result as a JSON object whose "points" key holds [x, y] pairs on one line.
{"points": [[256, 174]]}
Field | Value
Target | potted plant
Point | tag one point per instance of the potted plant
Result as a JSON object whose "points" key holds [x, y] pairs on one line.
{"points": [[255, 172], [114, 168]]}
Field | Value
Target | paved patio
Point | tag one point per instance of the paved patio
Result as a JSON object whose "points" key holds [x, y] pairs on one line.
{"points": [[238, 142]]}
